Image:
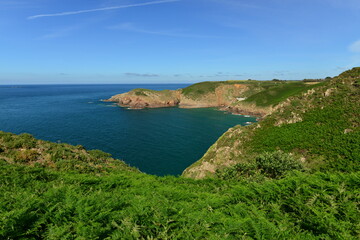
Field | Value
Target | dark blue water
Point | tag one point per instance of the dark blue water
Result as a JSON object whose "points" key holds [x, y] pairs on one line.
{"points": [[157, 141]]}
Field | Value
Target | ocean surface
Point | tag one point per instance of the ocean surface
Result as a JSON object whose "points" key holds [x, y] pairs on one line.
{"points": [[157, 141]]}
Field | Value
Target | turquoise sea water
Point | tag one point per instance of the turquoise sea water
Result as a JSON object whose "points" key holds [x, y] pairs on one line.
{"points": [[157, 141]]}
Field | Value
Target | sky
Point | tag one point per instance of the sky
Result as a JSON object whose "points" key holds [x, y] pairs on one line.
{"points": [[175, 41]]}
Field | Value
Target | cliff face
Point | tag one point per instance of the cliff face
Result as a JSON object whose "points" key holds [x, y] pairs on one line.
{"points": [[320, 126]]}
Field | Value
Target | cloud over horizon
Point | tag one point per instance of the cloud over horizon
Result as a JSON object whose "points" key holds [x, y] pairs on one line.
{"points": [[141, 75], [99, 9]]}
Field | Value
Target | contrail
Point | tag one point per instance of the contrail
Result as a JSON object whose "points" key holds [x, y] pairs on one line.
{"points": [[99, 9]]}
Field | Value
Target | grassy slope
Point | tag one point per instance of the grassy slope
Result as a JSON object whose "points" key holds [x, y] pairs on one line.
{"points": [[146, 92], [322, 127], [38, 203], [273, 95], [26, 150], [198, 89], [329, 129]]}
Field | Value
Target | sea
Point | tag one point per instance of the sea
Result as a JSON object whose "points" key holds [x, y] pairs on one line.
{"points": [[161, 141]]}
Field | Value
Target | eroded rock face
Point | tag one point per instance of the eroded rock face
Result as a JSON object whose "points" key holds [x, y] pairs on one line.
{"points": [[139, 99], [248, 110]]}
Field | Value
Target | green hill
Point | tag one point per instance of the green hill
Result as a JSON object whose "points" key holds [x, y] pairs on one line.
{"points": [[294, 175], [319, 126]]}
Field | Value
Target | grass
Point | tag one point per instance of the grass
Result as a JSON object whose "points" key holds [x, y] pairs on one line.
{"points": [[274, 94], [40, 203], [328, 129], [261, 93], [148, 92], [24, 149], [198, 90]]}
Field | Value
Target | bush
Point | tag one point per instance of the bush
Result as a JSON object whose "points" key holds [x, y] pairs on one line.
{"points": [[267, 165], [276, 164]]}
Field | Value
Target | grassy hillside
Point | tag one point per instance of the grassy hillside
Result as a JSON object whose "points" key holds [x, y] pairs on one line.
{"points": [[40, 203], [275, 94], [320, 127], [24, 149]]}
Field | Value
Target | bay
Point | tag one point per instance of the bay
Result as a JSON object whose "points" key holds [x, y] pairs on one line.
{"points": [[160, 141]]}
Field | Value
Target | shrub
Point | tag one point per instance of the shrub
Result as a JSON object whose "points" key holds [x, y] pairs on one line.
{"points": [[276, 164], [267, 165]]}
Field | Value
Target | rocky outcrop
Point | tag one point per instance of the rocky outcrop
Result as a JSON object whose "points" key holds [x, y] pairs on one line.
{"points": [[248, 109], [144, 98]]}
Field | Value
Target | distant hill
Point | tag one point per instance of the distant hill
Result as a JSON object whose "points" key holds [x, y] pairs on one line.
{"points": [[246, 97]]}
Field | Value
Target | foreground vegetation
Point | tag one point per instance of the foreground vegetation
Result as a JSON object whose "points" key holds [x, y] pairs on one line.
{"points": [[40, 203], [296, 177]]}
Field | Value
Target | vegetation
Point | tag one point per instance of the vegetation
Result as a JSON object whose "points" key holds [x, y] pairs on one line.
{"points": [[259, 93], [199, 89], [321, 126], [24, 149], [297, 177], [275, 94], [149, 92], [40, 203], [269, 164]]}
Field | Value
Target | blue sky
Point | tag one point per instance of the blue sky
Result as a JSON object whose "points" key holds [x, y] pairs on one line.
{"points": [[169, 41]]}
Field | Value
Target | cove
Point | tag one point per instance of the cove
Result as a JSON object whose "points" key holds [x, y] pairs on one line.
{"points": [[160, 141]]}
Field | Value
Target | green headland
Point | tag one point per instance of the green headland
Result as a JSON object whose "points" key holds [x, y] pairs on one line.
{"points": [[246, 97]]}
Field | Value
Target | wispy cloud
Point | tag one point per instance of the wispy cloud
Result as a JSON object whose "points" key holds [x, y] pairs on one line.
{"points": [[355, 47], [141, 75], [170, 33], [99, 9], [227, 75]]}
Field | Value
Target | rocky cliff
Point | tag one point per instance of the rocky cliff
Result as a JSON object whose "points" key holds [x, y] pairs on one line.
{"points": [[145, 98]]}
